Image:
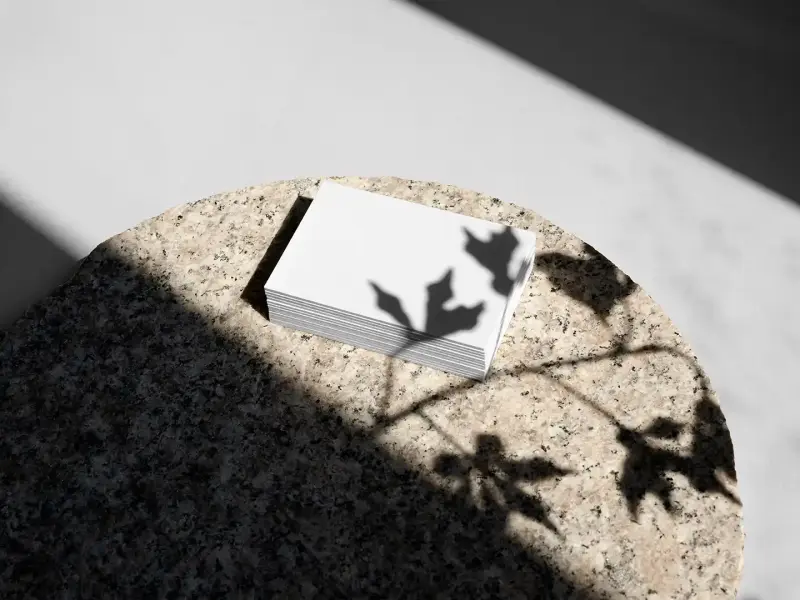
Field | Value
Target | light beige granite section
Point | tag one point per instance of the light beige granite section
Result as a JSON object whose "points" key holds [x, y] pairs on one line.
{"points": [[596, 442]]}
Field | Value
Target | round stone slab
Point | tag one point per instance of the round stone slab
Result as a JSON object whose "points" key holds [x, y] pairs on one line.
{"points": [[160, 436]]}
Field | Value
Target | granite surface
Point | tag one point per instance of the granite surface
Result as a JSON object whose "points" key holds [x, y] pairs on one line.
{"points": [[160, 438]]}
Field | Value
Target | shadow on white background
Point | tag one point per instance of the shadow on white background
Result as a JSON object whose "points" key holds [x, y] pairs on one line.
{"points": [[31, 262]]}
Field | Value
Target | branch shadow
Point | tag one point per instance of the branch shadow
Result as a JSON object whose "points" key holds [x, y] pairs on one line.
{"points": [[143, 453], [647, 466]]}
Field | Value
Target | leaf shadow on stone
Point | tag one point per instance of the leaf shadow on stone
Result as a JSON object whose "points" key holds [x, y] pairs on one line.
{"points": [[592, 280], [493, 478], [647, 467]]}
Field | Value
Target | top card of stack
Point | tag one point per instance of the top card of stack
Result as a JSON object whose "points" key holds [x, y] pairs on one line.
{"points": [[426, 285]]}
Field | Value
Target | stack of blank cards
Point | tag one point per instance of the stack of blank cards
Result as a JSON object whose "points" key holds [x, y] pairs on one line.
{"points": [[426, 285]]}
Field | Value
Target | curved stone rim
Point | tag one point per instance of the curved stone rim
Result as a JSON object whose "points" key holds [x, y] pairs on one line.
{"points": [[128, 237]]}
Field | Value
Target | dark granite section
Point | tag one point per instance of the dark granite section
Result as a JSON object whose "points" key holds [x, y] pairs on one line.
{"points": [[144, 455]]}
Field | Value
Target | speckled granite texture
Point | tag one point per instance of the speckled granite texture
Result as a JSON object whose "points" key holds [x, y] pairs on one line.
{"points": [[160, 438]]}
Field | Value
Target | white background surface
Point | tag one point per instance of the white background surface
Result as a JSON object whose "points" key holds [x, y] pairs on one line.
{"points": [[112, 111]]}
